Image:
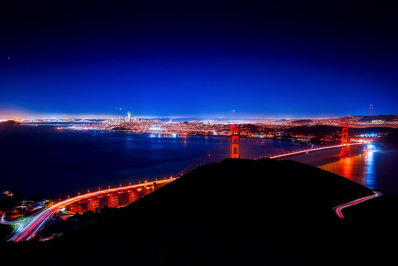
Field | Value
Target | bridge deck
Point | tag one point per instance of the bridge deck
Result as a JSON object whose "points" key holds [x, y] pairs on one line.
{"points": [[322, 156]]}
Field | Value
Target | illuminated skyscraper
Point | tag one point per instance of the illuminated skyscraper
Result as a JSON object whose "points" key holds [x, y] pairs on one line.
{"points": [[128, 116]]}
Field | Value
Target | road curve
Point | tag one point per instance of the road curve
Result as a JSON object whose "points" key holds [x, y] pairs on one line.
{"points": [[338, 209]]}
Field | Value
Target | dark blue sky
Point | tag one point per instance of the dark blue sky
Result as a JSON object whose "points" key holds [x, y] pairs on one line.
{"points": [[197, 58]]}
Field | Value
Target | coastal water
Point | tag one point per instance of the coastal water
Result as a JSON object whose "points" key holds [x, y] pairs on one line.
{"points": [[45, 161], [375, 169], [48, 162]]}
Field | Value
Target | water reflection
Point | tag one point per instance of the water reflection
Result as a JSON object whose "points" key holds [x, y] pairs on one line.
{"points": [[373, 169], [371, 177], [359, 168]]}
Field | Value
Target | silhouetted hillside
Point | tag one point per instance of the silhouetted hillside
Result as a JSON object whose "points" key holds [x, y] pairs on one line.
{"points": [[9, 123], [237, 212], [302, 121], [386, 118]]}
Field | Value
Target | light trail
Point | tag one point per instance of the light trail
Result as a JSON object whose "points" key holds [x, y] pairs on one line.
{"points": [[19, 225], [338, 209], [36, 223]]}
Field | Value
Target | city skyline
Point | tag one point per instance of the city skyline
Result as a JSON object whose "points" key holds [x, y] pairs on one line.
{"points": [[156, 60]]}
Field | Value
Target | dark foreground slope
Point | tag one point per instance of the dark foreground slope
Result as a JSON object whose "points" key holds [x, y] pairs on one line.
{"points": [[238, 212]]}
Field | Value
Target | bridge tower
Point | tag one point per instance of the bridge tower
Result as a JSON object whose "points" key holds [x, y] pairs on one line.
{"points": [[133, 195], [113, 200], [344, 139], [235, 142]]}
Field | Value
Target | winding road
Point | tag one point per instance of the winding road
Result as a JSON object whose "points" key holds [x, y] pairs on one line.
{"points": [[338, 209]]}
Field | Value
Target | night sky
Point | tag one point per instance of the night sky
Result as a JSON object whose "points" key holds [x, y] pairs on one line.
{"points": [[198, 58]]}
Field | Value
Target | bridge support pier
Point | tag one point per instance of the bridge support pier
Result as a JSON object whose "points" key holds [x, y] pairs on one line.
{"points": [[133, 195], [344, 140], [93, 204], [113, 200], [75, 208]]}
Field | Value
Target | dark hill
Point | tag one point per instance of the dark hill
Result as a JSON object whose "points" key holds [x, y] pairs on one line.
{"points": [[10, 123], [387, 118], [302, 121], [237, 212]]}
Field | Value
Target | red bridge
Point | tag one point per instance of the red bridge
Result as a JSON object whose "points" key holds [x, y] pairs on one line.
{"points": [[256, 148]]}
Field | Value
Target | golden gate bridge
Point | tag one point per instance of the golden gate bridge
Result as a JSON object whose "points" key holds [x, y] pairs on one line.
{"points": [[235, 146]]}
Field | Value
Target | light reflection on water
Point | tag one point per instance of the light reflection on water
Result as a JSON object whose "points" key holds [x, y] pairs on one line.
{"points": [[373, 169]]}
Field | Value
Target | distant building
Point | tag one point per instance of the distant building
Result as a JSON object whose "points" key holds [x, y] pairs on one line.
{"points": [[128, 116]]}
